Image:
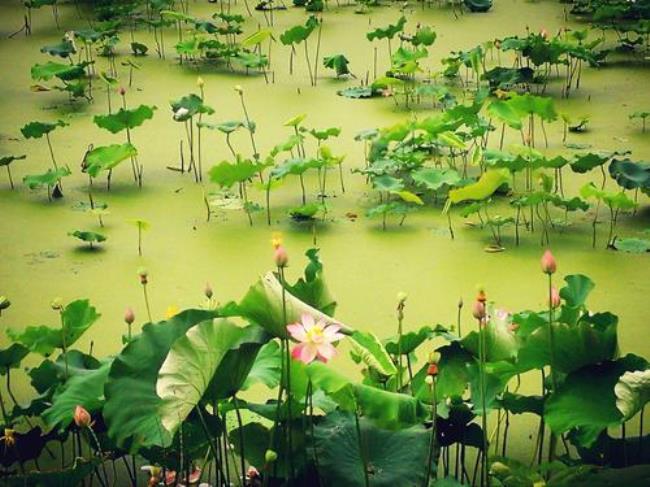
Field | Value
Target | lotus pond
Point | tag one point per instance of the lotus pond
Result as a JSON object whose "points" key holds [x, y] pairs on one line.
{"points": [[324, 242]]}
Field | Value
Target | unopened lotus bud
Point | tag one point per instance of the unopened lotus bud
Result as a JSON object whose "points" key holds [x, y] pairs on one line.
{"points": [[252, 473], [555, 298], [401, 298], [82, 417], [428, 380], [270, 456], [281, 257], [460, 302], [200, 82], [432, 369], [478, 310], [57, 304], [122, 91], [549, 265], [208, 291], [129, 316], [144, 275], [239, 89]]}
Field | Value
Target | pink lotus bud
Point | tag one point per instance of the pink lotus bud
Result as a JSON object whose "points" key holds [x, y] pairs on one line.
{"points": [[129, 316], [252, 473], [549, 266], [208, 291], [82, 417], [478, 310], [280, 256], [555, 298], [122, 91]]}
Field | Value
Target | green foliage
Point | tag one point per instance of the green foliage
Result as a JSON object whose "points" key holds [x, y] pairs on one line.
{"points": [[124, 119], [76, 318]]}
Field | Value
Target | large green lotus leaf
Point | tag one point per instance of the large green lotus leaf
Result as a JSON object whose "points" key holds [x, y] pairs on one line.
{"points": [[434, 178], [6, 160], [263, 305], [188, 106], [630, 174], [11, 357], [107, 157], [485, 187], [311, 288], [577, 290], [528, 104], [590, 341], [411, 340], [267, 367], [586, 162], [451, 139], [187, 371], [371, 352], [131, 409], [225, 174], [235, 367], [586, 399], [124, 118], [36, 130], [388, 409], [295, 166], [65, 72], [506, 113], [454, 373], [519, 404], [632, 392], [394, 457], [82, 389], [386, 182], [78, 316], [48, 178], [500, 342]]}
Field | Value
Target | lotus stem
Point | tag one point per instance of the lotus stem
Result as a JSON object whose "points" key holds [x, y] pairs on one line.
{"points": [[432, 441], [362, 451], [240, 424], [146, 302]]}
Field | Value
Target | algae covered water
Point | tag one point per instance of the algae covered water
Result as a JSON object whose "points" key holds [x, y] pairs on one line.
{"points": [[365, 266]]}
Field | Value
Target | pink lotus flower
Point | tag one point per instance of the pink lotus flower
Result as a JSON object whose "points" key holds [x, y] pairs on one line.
{"points": [[315, 339]]}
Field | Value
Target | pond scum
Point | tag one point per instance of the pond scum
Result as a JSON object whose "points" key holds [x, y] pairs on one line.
{"points": [[243, 393]]}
